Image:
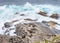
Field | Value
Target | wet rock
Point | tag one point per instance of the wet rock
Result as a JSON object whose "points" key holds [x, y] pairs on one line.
{"points": [[54, 16], [42, 13], [17, 13], [22, 14], [29, 19], [45, 23], [7, 24], [14, 21]]}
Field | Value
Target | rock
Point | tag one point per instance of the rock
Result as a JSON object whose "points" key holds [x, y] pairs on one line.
{"points": [[56, 42], [26, 40], [13, 21], [44, 29], [45, 22], [32, 29], [36, 38], [17, 13], [1, 39], [52, 24], [13, 39], [7, 24], [54, 16], [42, 13], [22, 14], [29, 33], [29, 19]]}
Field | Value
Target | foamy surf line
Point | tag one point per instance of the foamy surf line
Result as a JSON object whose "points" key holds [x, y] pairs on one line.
{"points": [[7, 13]]}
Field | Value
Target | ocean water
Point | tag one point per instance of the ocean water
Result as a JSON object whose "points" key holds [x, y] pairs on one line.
{"points": [[7, 13]]}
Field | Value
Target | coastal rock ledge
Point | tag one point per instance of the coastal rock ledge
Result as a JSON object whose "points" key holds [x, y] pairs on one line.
{"points": [[32, 32]]}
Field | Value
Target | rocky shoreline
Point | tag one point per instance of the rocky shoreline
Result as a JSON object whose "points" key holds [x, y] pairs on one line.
{"points": [[30, 26], [31, 32]]}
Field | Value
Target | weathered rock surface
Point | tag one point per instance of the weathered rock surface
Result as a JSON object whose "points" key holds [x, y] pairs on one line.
{"points": [[42, 13], [11, 39], [29, 33], [28, 19], [54, 16], [34, 31], [7, 24]]}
